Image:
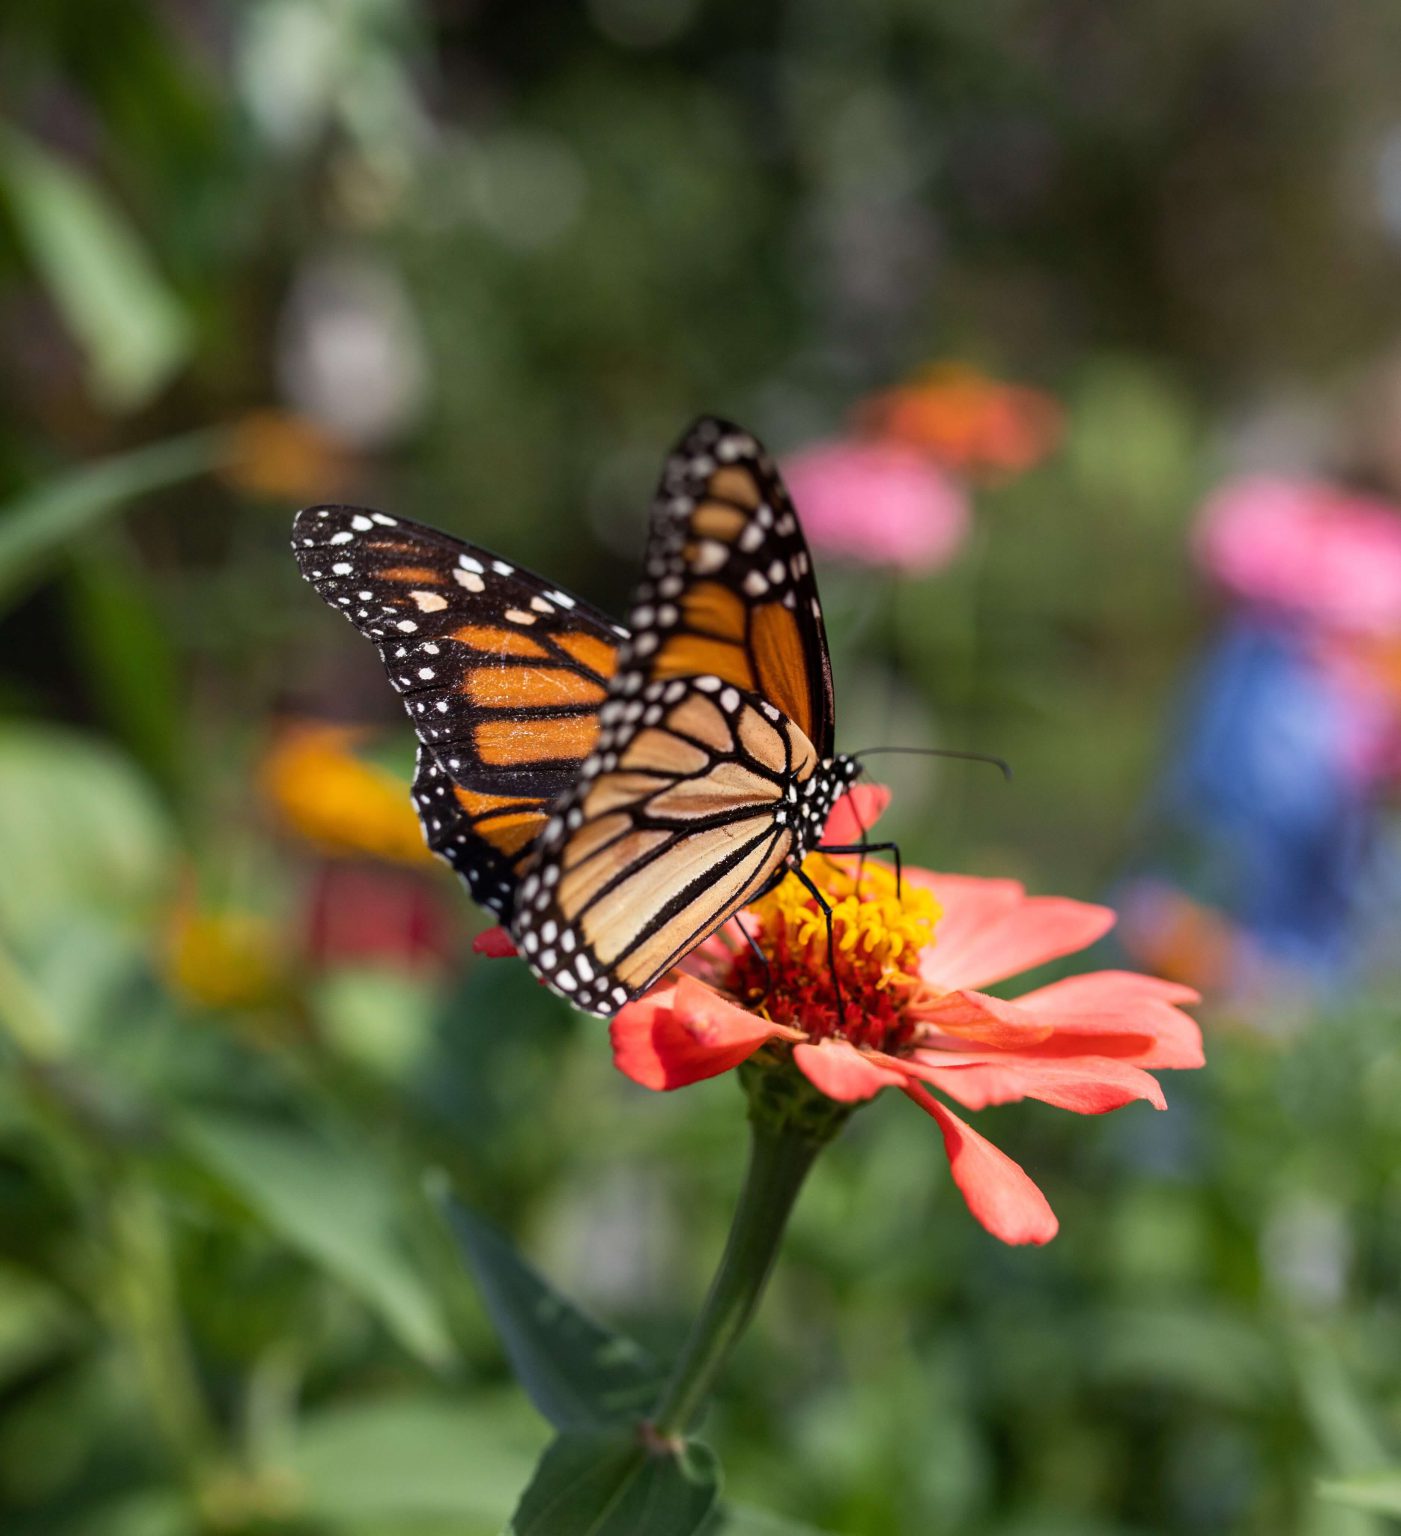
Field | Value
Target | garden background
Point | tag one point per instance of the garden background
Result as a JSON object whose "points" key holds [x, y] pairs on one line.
{"points": [[480, 265]]}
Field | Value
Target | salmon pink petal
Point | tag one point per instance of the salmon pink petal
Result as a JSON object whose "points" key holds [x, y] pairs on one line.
{"points": [[855, 813], [998, 1191], [839, 1070], [495, 944], [1007, 941], [1089, 1085], [987, 1020], [1109, 989], [682, 1034], [1121, 1014], [969, 905]]}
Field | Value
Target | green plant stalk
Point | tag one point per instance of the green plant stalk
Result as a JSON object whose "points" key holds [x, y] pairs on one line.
{"points": [[779, 1159], [138, 1283], [145, 1308]]}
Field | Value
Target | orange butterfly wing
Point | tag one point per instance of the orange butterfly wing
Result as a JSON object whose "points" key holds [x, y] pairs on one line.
{"points": [[729, 588], [502, 675]]}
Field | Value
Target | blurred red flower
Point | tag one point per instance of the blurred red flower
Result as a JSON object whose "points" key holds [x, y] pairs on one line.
{"points": [[967, 422], [877, 503], [915, 1015], [367, 914]]}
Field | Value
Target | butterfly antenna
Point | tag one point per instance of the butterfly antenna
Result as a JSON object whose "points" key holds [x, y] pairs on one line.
{"points": [[967, 757]]}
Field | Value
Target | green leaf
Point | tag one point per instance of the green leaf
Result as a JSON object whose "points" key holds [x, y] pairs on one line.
{"points": [[577, 1372], [125, 652], [601, 1484], [36, 1321], [1379, 1492], [83, 836], [335, 1203], [38, 527], [132, 327], [740, 1520], [414, 1459], [152, 1512]]}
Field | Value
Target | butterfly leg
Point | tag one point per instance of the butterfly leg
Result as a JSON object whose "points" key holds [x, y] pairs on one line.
{"points": [[864, 848], [826, 910], [759, 955]]}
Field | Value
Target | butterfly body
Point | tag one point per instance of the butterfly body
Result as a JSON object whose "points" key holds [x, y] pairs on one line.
{"points": [[614, 795]]}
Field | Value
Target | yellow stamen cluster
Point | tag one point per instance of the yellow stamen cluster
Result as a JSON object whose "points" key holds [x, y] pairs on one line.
{"points": [[878, 928]]}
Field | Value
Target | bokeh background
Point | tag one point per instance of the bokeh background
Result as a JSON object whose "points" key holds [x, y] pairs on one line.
{"points": [[1093, 314]]}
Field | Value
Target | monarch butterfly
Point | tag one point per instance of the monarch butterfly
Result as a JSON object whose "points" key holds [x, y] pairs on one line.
{"points": [[613, 795]]}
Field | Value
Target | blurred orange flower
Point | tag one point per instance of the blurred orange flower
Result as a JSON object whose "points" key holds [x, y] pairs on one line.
{"points": [[967, 421], [1176, 936], [327, 794], [285, 457]]}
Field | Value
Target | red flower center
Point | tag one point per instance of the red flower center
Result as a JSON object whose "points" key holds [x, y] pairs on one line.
{"points": [[877, 933]]}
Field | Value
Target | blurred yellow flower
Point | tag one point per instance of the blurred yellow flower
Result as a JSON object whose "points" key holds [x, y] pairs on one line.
{"points": [[322, 791], [223, 959]]}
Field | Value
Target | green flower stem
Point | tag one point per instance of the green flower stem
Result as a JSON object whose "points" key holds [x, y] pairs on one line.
{"points": [[779, 1158]]}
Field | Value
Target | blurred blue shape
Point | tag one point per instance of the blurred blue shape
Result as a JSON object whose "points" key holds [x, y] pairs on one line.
{"points": [[1265, 816]]}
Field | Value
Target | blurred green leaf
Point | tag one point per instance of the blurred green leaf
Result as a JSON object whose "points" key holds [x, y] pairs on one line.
{"points": [[598, 1484], [131, 325], [126, 653], [740, 1520], [1342, 1420], [82, 833], [334, 1202], [35, 1321], [1207, 1351], [377, 1016], [417, 1458], [1376, 1491], [155, 1512], [576, 1371], [37, 527]]}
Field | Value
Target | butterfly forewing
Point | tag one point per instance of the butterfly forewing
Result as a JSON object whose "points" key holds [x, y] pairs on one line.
{"points": [[502, 675], [729, 589]]}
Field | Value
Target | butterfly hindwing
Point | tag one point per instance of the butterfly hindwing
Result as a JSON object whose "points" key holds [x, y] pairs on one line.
{"points": [[688, 809], [502, 675], [729, 589]]}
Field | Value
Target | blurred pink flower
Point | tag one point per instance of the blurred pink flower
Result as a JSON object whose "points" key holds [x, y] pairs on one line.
{"points": [[877, 503], [1309, 549]]}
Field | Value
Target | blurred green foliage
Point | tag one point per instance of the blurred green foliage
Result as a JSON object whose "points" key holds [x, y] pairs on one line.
{"points": [[480, 265]]}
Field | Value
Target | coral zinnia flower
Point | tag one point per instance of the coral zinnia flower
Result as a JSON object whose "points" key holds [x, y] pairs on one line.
{"points": [[912, 961], [967, 422]]}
